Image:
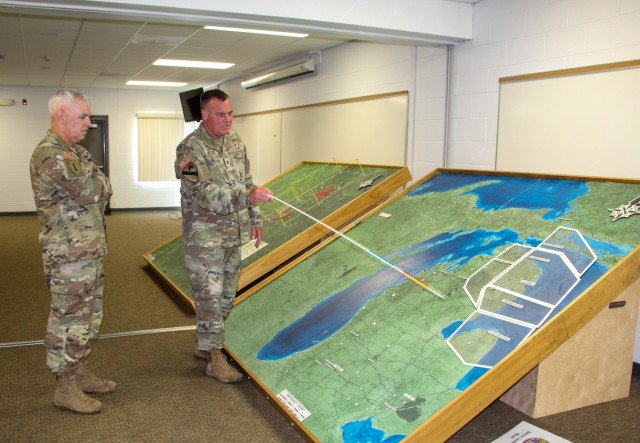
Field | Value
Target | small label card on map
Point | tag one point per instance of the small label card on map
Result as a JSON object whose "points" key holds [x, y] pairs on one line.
{"points": [[249, 249], [293, 405]]}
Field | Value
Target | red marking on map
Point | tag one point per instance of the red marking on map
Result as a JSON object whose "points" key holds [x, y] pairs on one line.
{"points": [[325, 192], [281, 215]]}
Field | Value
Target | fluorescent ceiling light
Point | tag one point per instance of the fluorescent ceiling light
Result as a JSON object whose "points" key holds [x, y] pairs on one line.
{"points": [[192, 64], [257, 31], [149, 83]]}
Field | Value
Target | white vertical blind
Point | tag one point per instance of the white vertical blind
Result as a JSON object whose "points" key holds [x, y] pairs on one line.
{"points": [[158, 136]]}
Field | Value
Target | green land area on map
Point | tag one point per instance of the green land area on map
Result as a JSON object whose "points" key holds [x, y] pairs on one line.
{"points": [[316, 188], [390, 362]]}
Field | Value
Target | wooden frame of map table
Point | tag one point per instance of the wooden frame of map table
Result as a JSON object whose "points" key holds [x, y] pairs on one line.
{"points": [[335, 193], [347, 348]]}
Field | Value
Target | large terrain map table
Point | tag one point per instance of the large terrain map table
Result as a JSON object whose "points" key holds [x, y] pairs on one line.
{"points": [[351, 350], [334, 192]]}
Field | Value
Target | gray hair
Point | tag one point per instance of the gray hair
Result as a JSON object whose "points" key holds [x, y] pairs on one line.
{"points": [[64, 97]]}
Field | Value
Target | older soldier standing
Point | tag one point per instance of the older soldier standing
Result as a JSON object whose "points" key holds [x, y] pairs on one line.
{"points": [[218, 216], [71, 193]]}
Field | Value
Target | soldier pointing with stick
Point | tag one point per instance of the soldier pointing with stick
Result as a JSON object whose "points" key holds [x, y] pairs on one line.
{"points": [[219, 214]]}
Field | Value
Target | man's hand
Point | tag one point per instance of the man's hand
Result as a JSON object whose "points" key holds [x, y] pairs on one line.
{"points": [[256, 233], [259, 195]]}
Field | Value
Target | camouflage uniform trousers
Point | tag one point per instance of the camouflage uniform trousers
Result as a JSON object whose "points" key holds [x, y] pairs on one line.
{"points": [[213, 274], [76, 312]]}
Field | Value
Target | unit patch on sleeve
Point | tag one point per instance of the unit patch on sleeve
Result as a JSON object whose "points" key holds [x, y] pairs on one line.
{"points": [[73, 164], [190, 172]]}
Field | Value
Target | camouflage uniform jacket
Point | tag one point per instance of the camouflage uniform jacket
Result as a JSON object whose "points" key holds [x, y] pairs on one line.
{"points": [[70, 193], [215, 184]]}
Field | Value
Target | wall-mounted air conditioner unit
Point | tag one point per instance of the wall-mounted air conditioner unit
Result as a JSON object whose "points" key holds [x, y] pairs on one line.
{"points": [[288, 72]]}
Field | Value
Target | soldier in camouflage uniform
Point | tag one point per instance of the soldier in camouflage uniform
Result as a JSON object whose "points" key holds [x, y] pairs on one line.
{"points": [[218, 201], [71, 193]]}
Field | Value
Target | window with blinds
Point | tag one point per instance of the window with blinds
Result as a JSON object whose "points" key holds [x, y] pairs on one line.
{"points": [[158, 136]]}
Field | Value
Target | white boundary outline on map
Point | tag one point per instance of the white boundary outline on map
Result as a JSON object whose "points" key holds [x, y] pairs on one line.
{"points": [[491, 285]]}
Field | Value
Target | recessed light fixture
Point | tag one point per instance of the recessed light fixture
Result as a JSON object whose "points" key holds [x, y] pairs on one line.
{"points": [[257, 31], [192, 64], [150, 83]]}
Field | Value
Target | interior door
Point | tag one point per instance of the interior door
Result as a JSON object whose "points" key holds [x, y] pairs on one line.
{"points": [[97, 143]]}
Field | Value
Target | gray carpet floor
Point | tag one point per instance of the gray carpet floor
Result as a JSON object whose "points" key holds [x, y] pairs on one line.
{"points": [[163, 395]]}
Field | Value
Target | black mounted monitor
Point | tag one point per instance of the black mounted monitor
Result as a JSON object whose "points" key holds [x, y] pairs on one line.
{"points": [[190, 101]]}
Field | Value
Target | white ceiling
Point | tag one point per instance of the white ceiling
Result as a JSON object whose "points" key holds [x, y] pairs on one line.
{"points": [[54, 48], [92, 53]]}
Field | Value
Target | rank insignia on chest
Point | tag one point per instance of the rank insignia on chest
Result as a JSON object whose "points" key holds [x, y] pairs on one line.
{"points": [[190, 172]]}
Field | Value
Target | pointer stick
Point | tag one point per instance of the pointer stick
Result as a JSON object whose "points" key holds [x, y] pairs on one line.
{"points": [[368, 251]]}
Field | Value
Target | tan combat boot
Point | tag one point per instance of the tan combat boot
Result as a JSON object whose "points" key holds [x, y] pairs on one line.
{"points": [[220, 369], [199, 353], [88, 382], [69, 396]]}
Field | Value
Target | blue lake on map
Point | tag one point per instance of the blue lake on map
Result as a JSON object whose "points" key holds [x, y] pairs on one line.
{"points": [[510, 192], [454, 248], [335, 311], [516, 332], [502, 348], [363, 431]]}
